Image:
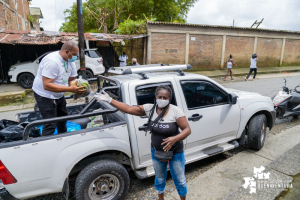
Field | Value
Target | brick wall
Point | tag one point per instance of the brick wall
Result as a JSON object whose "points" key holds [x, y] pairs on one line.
{"points": [[205, 45], [241, 48], [205, 51], [167, 48], [269, 51], [13, 13], [291, 52]]}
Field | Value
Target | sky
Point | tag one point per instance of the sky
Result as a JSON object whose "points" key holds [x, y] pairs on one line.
{"points": [[277, 14]]}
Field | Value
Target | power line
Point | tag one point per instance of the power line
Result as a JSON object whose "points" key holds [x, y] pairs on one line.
{"points": [[59, 12]]}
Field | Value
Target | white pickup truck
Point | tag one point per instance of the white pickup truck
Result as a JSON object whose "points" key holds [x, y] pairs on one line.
{"points": [[100, 158]]}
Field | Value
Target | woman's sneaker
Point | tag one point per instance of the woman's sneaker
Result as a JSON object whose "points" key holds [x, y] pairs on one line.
{"points": [[246, 79]]}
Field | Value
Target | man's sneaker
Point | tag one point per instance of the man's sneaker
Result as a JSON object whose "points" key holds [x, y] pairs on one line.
{"points": [[246, 79]]}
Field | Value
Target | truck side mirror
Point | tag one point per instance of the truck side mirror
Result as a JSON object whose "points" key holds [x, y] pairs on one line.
{"points": [[232, 98]]}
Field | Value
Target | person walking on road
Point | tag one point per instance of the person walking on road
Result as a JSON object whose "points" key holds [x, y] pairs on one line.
{"points": [[253, 66], [164, 121], [54, 76], [229, 64]]}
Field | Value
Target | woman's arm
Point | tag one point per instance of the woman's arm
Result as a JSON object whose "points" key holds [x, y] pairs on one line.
{"points": [[186, 131], [133, 110]]}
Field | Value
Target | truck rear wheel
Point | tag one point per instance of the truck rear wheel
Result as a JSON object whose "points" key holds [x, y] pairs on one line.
{"points": [[104, 179], [257, 132]]}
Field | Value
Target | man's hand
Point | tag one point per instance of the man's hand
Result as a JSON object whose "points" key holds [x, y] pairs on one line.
{"points": [[75, 89], [169, 142]]}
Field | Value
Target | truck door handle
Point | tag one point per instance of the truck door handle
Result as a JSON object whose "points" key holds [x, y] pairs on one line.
{"points": [[195, 117]]}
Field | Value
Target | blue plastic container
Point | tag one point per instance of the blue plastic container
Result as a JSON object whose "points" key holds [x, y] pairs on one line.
{"points": [[71, 126]]}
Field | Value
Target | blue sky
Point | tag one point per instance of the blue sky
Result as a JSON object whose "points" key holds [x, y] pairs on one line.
{"points": [[277, 14]]}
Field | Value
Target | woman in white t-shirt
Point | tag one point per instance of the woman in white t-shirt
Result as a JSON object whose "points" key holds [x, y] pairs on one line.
{"points": [[164, 122], [253, 66]]}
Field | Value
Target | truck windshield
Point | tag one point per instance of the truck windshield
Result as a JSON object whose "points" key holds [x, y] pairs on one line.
{"points": [[93, 54]]}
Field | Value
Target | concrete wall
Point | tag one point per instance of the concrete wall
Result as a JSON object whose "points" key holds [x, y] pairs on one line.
{"points": [[208, 47], [14, 14]]}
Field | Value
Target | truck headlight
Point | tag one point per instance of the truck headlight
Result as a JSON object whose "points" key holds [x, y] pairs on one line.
{"points": [[12, 68], [99, 61]]}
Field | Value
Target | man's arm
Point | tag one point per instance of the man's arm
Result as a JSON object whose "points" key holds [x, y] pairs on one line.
{"points": [[52, 87]]}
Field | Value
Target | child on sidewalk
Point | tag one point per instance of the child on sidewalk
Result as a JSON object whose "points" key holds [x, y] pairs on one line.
{"points": [[253, 66], [229, 64]]}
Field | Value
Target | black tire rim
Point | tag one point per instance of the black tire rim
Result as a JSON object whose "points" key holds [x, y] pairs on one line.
{"points": [[105, 186], [27, 80]]}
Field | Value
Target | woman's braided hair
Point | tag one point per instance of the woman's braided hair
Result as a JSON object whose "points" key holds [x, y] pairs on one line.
{"points": [[161, 87]]}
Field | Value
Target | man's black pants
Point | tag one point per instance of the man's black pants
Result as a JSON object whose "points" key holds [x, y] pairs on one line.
{"points": [[51, 108], [250, 72]]}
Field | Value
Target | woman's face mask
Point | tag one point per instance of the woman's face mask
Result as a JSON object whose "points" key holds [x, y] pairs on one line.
{"points": [[162, 103], [134, 63]]}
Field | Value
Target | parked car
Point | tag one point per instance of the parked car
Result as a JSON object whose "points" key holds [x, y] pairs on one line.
{"points": [[24, 73], [99, 158]]}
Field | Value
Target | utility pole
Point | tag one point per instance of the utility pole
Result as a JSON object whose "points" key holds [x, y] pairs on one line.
{"points": [[81, 38], [258, 23]]}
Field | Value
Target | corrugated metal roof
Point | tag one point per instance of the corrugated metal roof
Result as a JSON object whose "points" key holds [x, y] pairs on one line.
{"points": [[218, 26], [50, 37]]}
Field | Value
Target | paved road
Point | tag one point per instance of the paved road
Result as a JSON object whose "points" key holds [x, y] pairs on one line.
{"points": [[266, 85]]}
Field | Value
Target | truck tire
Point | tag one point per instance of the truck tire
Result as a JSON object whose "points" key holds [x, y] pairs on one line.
{"points": [[103, 179], [257, 132], [26, 80]]}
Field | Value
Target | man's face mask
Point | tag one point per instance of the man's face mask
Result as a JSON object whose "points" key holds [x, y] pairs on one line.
{"points": [[134, 63], [73, 58], [124, 55]]}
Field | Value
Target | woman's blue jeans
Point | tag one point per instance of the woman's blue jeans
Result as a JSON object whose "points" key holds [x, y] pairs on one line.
{"points": [[177, 169]]}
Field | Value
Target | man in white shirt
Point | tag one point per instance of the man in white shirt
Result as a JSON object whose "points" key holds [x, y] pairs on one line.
{"points": [[123, 60], [56, 72]]}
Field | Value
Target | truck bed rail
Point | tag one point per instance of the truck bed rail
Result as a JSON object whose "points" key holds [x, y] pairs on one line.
{"points": [[64, 118]]}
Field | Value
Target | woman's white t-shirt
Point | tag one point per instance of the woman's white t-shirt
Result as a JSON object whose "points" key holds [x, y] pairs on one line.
{"points": [[165, 128]]}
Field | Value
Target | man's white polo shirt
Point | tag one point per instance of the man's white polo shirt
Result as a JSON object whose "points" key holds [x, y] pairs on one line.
{"points": [[53, 66]]}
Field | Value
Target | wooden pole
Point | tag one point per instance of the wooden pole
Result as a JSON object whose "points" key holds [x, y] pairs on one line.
{"points": [[81, 38]]}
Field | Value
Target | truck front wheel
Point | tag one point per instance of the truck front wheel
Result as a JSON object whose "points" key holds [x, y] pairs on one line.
{"points": [[104, 179], [257, 132]]}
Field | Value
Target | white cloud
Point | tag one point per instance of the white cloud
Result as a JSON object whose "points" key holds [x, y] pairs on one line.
{"points": [[53, 12], [277, 14]]}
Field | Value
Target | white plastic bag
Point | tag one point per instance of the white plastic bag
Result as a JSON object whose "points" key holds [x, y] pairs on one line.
{"points": [[82, 82]]}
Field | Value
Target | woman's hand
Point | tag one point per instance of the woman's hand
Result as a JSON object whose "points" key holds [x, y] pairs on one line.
{"points": [[103, 97], [169, 142]]}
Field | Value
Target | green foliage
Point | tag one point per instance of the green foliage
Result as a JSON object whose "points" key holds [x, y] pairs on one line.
{"points": [[130, 27], [31, 19], [125, 15]]}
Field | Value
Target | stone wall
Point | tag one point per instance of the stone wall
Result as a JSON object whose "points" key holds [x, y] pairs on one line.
{"points": [[208, 47]]}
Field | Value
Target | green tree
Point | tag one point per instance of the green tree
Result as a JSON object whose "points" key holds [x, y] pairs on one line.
{"points": [[106, 15]]}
